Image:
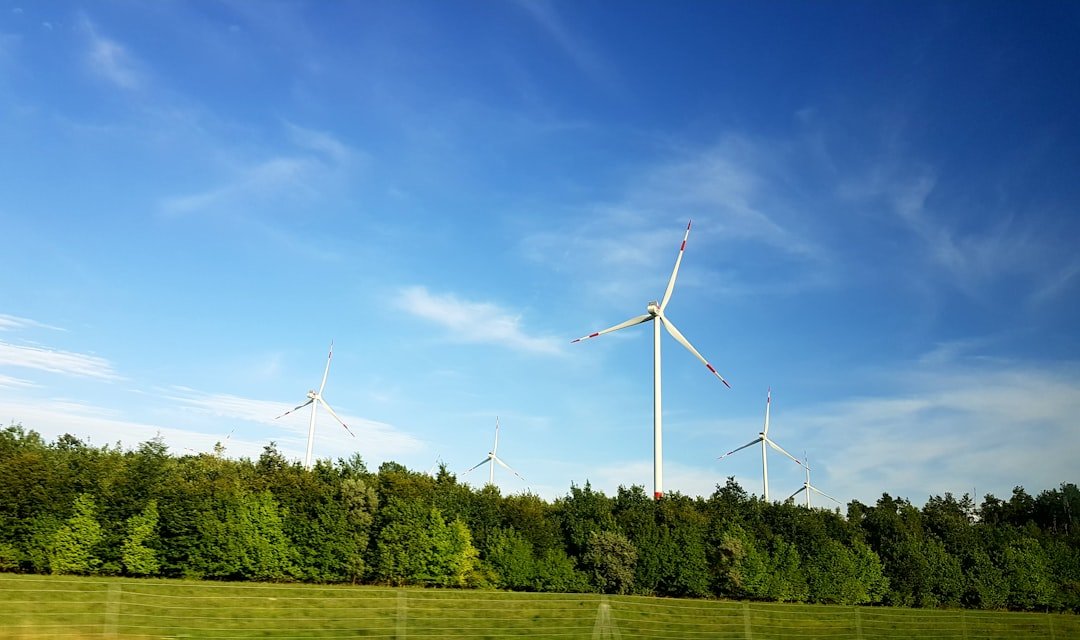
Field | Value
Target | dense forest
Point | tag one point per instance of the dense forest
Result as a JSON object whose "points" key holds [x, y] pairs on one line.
{"points": [[68, 507]]}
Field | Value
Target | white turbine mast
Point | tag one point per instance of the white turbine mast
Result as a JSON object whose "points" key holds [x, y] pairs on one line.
{"points": [[492, 458], [315, 398], [807, 487], [766, 442], [656, 312]]}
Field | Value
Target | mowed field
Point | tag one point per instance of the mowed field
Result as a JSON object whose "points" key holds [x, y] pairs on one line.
{"points": [[69, 607]]}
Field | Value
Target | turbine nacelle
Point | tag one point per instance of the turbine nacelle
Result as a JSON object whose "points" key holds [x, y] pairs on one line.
{"points": [[653, 308]]}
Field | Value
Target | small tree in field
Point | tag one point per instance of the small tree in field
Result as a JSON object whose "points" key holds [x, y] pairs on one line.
{"points": [[140, 559], [72, 548]]}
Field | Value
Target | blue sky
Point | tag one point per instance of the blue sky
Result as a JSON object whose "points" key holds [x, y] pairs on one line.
{"points": [[198, 197]]}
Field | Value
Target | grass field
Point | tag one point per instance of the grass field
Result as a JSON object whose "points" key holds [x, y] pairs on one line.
{"points": [[68, 607]]}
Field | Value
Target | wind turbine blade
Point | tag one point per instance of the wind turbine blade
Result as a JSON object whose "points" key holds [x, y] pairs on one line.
{"points": [[327, 371], [768, 403], [336, 417], [748, 444], [675, 333], [824, 494], [795, 494], [479, 464], [299, 406], [675, 271], [496, 447], [781, 450], [622, 325], [508, 467]]}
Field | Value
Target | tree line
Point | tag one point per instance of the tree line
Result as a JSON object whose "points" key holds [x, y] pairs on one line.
{"points": [[67, 507]]}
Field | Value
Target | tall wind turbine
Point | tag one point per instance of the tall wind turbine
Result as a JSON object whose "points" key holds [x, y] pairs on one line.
{"points": [[492, 458], [766, 442], [315, 399], [656, 312], [807, 487]]}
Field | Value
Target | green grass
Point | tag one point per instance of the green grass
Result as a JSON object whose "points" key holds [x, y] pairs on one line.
{"points": [[69, 607]]}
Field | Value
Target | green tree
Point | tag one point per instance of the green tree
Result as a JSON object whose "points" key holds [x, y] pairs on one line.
{"points": [[242, 537], [73, 548], [415, 545], [510, 557], [1027, 573], [138, 554], [841, 575], [557, 572], [609, 559], [582, 513]]}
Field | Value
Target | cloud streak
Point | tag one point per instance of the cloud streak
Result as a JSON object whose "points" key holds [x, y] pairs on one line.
{"points": [[302, 171], [376, 440], [9, 323], [62, 362], [475, 322], [951, 429], [110, 60]]}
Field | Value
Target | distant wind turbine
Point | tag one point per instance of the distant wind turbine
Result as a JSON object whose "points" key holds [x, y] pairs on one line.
{"points": [[656, 312], [315, 399], [807, 487], [492, 458], [763, 438]]}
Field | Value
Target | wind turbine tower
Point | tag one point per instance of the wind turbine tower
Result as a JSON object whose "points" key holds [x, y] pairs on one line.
{"points": [[656, 313], [315, 398], [766, 442], [807, 487], [492, 458]]}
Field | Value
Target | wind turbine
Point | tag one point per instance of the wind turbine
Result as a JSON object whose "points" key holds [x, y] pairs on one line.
{"points": [[315, 399], [807, 487], [492, 458], [656, 312], [766, 442]]}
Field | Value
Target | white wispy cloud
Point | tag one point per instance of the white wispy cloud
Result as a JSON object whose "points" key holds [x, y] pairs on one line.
{"points": [[303, 171], [735, 185], [55, 417], [109, 59], [53, 361], [972, 256], [321, 142], [375, 440], [11, 382], [739, 204], [1057, 283], [9, 323], [990, 425], [474, 322], [259, 181], [575, 47], [9, 43]]}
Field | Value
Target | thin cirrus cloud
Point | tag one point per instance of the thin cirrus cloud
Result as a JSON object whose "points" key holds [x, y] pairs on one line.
{"points": [[474, 322], [304, 170], [576, 48], [734, 192], [62, 362], [110, 60], [12, 382], [10, 323], [735, 183], [377, 440], [268, 178], [950, 424]]}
